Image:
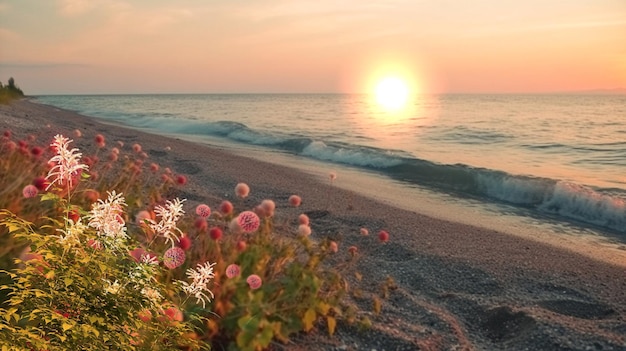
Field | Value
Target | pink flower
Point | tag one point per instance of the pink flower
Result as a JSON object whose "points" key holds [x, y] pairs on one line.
{"points": [[78, 133], [215, 233], [254, 281], [248, 221], [36, 151], [226, 207], [332, 176], [234, 226], [100, 142], [137, 148], [364, 231], [241, 246], [352, 250], [154, 167], [383, 236], [242, 190], [181, 179], [333, 247], [40, 183], [145, 315], [201, 224], [268, 207], [174, 314], [174, 257], [141, 217], [295, 200], [233, 270], [184, 242], [203, 210], [94, 244], [112, 157], [304, 230], [303, 219], [30, 191]]}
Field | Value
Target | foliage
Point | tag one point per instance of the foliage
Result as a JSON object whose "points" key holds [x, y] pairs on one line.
{"points": [[10, 92], [76, 287]]}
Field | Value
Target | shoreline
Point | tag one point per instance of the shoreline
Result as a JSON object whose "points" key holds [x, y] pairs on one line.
{"points": [[458, 285]]}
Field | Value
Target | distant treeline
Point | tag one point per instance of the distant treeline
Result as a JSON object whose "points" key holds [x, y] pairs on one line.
{"points": [[10, 91]]}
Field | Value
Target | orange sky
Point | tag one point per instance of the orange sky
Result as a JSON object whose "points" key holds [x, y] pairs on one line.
{"points": [[231, 46]]}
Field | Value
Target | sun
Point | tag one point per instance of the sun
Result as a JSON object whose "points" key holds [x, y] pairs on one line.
{"points": [[392, 93]]}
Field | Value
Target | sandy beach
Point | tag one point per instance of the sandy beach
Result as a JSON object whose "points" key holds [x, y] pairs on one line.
{"points": [[457, 286]]}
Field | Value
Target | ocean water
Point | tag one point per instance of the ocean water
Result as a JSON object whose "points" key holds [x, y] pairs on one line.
{"points": [[557, 158]]}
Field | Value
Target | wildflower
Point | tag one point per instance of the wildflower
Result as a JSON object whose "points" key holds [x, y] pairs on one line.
{"points": [[254, 281], [333, 247], [383, 236], [203, 210], [242, 190], [40, 183], [234, 226], [215, 233], [241, 246], [181, 180], [154, 167], [141, 217], [233, 270], [303, 219], [94, 244], [201, 224], [145, 315], [184, 243], [173, 257], [137, 148], [268, 207], [78, 133], [248, 221], [152, 295], [364, 231], [167, 148], [100, 141], [30, 191], [105, 217], [120, 143], [66, 165], [174, 314], [169, 214], [352, 250], [304, 230], [332, 176], [113, 157], [36, 151], [112, 288], [201, 277], [226, 207], [7, 134], [71, 233], [295, 200]]}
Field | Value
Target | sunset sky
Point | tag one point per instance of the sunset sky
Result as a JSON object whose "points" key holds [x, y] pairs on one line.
{"points": [[239, 46]]}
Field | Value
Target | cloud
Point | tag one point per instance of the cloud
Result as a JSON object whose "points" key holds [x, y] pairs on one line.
{"points": [[8, 35]]}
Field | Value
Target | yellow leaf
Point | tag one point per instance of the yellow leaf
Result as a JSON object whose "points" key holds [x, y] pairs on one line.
{"points": [[68, 282], [358, 276], [309, 318], [323, 308], [377, 305], [332, 323], [66, 326]]}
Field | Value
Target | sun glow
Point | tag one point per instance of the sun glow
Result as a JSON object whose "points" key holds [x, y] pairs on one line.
{"points": [[392, 93]]}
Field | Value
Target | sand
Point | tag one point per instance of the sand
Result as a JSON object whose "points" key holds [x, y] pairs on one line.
{"points": [[457, 286]]}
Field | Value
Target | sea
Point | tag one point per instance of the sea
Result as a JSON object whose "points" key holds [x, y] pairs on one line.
{"points": [[550, 163]]}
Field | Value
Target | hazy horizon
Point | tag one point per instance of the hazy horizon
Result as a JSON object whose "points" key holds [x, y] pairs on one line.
{"points": [[277, 46]]}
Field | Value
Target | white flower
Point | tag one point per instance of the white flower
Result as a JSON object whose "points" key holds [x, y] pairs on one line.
{"points": [[201, 277], [66, 164], [153, 295], [169, 214], [106, 217], [112, 288], [149, 260], [71, 233]]}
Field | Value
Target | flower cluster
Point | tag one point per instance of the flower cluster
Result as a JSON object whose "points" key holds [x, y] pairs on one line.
{"points": [[106, 217], [201, 277], [66, 164], [170, 214]]}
